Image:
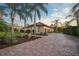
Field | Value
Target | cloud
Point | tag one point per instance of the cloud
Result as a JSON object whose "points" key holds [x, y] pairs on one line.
{"points": [[45, 20], [56, 14], [67, 10], [61, 13]]}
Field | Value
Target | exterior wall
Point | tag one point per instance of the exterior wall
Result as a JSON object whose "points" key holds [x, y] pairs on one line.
{"points": [[73, 23], [41, 29]]}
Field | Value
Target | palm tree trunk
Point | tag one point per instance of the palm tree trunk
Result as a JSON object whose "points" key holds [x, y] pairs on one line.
{"points": [[12, 27], [0, 16], [24, 26], [35, 24], [12, 19], [12, 30]]}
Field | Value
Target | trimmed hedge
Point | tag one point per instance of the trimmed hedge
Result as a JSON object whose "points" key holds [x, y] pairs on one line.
{"points": [[9, 38], [71, 30]]}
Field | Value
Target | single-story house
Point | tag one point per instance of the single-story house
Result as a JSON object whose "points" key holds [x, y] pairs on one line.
{"points": [[40, 27]]}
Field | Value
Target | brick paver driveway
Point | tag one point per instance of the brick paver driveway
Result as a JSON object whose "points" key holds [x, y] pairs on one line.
{"points": [[53, 44]]}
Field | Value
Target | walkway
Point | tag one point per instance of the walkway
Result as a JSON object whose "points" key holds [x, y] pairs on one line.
{"points": [[51, 45]]}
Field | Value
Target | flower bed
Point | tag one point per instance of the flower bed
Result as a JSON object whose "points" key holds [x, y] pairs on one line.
{"points": [[18, 40]]}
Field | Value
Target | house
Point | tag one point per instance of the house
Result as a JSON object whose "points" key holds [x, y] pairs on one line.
{"points": [[72, 22], [16, 27], [40, 27]]}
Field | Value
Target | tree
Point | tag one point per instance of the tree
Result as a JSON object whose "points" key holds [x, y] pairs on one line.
{"points": [[24, 13], [3, 25], [2, 12], [56, 25], [37, 8], [13, 8], [75, 11]]}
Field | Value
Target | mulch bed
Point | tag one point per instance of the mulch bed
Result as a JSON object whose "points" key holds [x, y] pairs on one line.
{"points": [[19, 41]]}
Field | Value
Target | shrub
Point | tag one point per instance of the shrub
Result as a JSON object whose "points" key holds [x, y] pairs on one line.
{"points": [[10, 40], [22, 31], [29, 35], [16, 34], [7, 38], [28, 31], [71, 30]]}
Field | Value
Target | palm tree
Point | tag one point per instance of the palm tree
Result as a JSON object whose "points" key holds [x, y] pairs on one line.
{"points": [[56, 25], [75, 11], [24, 13], [13, 8], [2, 12], [37, 8], [3, 25], [25, 16]]}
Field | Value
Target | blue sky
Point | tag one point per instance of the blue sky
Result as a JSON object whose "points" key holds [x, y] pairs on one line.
{"points": [[55, 11]]}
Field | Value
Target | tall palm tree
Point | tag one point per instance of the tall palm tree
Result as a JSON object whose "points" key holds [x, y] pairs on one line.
{"points": [[3, 25], [24, 13], [56, 25], [37, 8], [13, 8], [25, 16], [2, 12], [75, 11]]}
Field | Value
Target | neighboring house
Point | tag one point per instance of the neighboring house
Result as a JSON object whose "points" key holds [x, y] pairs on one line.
{"points": [[16, 27], [40, 27], [72, 22]]}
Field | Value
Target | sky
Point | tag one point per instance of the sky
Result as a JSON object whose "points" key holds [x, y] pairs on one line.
{"points": [[55, 11], [58, 11]]}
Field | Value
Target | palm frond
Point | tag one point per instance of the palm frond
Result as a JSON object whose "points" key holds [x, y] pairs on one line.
{"points": [[38, 13], [3, 26], [69, 16], [75, 6]]}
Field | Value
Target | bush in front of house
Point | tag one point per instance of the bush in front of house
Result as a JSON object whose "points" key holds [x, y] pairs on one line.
{"points": [[28, 31], [22, 31], [29, 34]]}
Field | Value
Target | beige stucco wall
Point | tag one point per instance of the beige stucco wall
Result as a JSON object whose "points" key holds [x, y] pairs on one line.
{"points": [[41, 29], [73, 23]]}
